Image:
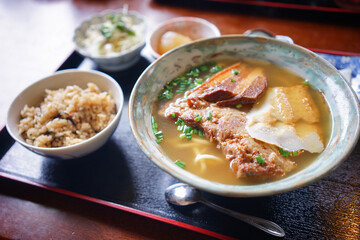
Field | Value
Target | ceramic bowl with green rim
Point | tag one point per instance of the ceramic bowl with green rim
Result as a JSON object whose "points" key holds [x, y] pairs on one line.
{"points": [[321, 75]]}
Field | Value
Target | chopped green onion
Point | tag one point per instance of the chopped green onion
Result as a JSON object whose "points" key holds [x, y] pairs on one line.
{"points": [[192, 85], [232, 79], [187, 129], [284, 152], [173, 115], [260, 159], [201, 134], [188, 81], [194, 72], [165, 94], [209, 116], [107, 31], [158, 134], [180, 164], [179, 121], [182, 88], [199, 81], [295, 153], [203, 68], [153, 123], [121, 26], [215, 69], [234, 71], [306, 83], [239, 105], [182, 136], [198, 118]]}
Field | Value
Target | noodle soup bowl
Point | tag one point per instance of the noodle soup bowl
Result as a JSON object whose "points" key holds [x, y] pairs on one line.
{"points": [[33, 95], [321, 75]]}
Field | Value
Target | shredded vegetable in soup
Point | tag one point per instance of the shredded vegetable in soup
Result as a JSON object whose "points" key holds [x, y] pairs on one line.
{"points": [[241, 121], [118, 33]]}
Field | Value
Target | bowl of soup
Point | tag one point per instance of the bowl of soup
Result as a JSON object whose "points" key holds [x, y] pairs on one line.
{"points": [[112, 39], [244, 116]]}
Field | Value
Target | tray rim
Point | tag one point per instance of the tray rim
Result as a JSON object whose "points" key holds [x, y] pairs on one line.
{"points": [[115, 206]]}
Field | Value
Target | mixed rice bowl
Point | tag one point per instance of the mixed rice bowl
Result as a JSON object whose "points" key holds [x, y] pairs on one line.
{"points": [[67, 116]]}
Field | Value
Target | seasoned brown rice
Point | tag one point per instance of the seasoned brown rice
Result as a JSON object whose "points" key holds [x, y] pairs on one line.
{"points": [[67, 116]]}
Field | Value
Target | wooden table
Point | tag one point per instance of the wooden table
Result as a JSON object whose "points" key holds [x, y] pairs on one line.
{"points": [[37, 38]]}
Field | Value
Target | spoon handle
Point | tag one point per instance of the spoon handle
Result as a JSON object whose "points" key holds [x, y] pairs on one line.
{"points": [[263, 224]]}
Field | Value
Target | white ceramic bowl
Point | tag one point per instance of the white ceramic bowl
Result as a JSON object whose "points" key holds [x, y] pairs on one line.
{"points": [[341, 99], [117, 61], [34, 94], [193, 27]]}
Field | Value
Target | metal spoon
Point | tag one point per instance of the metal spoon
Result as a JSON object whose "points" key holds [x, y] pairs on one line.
{"points": [[182, 194]]}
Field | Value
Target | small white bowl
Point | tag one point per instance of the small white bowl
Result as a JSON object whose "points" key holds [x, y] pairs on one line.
{"points": [[34, 94], [117, 61], [193, 27]]}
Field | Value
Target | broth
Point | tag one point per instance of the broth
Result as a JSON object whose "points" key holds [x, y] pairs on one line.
{"points": [[218, 170]]}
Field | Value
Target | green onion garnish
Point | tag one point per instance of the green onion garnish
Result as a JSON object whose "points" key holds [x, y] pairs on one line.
{"points": [[107, 31], [215, 69], [232, 79], [180, 164], [158, 134], [306, 83], [239, 105], [187, 129], [209, 116], [234, 71], [199, 81], [188, 81], [260, 159], [284, 152], [198, 118], [123, 28], [295, 153], [179, 121], [203, 68], [194, 72], [207, 76], [182, 136]]}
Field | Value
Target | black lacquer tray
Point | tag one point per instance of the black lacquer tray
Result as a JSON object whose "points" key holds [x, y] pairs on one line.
{"points": [[119, 175]]}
